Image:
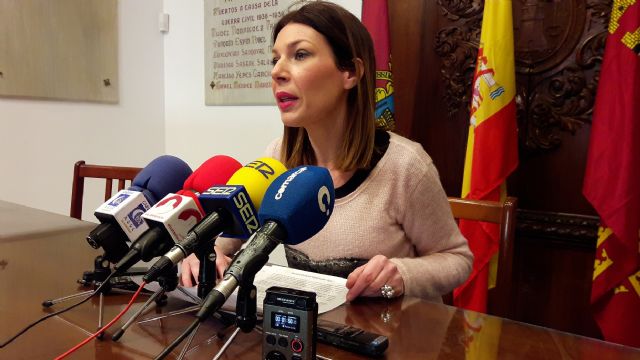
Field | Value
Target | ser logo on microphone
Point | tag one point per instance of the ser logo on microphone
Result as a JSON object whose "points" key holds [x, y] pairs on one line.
{"points": [[246, 212], [236, 200], [263, 168], [221, 190]]}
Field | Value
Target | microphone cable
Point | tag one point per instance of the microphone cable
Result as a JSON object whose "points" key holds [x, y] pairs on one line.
{"points": [[106, 281], [101, 330]]}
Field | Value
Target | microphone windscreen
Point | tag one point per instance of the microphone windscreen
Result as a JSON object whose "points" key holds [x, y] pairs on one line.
{"points": [[256, 177], [163, 175], [300, 200], [215, 171]]}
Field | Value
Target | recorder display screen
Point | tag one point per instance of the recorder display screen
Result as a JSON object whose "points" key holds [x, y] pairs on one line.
{"points": [[285, 322]]}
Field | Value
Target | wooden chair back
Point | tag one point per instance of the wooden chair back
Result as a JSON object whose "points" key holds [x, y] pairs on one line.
{"points": [[500, 298], [109, 173]]}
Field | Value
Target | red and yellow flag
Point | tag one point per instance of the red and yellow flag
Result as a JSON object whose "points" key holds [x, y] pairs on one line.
{"points": [[492, 145], [375, 17], [612, 179], [481, 337]]}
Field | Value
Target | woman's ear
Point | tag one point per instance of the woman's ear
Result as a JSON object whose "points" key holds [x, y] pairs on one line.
{"points": [[352, 77]]}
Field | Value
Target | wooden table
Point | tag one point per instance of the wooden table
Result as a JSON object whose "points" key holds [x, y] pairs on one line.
{"points": [[43, 254]]}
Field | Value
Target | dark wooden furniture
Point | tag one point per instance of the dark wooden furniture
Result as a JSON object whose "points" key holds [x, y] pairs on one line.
{"points": [[558, 52], [40, 265], [109, 173], [500, 301]]}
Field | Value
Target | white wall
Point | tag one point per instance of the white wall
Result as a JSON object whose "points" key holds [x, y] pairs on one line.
{"points": [[41, 140], [195, 132], [161, 111]]}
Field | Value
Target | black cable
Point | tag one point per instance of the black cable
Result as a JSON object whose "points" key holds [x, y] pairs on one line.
{"points": [[57, 312], [178, 340]]}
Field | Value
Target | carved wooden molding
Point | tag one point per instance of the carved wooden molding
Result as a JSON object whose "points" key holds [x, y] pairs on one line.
{"points": [[558, 47], [457, 46], [560, 228], [561, 70]]}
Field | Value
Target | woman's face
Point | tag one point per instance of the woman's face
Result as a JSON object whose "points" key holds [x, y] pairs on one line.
{"points": [[308, 87]]}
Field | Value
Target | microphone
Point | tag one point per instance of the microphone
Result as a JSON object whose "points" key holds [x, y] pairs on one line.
{"points": [[171, 218], [230, 208], [296, 206], [121, 216]]}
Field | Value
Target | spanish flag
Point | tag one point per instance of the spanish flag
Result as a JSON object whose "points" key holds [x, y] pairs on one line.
{"points": [[375, 17], [612, 179], [492, 145], [481, 337]]}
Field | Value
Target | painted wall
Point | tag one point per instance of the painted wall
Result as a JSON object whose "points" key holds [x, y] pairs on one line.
{"points": [[194, 131], [41, 140]]}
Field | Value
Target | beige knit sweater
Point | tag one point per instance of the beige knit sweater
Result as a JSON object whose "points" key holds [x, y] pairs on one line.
{"points": [[400, 211]]}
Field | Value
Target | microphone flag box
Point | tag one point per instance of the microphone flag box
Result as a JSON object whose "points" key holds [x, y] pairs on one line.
{"points": [[125, 209], [233, 202], [177, 213]]}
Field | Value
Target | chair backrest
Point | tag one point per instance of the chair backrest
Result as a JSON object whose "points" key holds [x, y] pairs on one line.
{"points": [[109, 173], [500, 298]]}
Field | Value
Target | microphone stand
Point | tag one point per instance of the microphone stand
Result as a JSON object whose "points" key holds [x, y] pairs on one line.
{"points": [[168, 282], [246, 313], [101, 271], [246, 319], [206, 280]]}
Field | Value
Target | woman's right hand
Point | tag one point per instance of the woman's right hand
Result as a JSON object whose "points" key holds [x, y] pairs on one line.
{"points": [[190, 268]]}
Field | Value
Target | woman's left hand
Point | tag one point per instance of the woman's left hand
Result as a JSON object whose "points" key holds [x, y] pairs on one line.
{"points": [[367, 279]]}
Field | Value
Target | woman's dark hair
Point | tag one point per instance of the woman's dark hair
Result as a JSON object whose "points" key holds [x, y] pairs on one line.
{"points": [[349, 40]]}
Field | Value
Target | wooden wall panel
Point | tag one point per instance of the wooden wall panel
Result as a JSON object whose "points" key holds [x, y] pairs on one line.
{"points": [[558, 47]]}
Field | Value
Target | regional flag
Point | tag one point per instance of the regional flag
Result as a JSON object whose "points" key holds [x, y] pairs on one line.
{"points": [[492, 145], [375, 17], [612, 179]]}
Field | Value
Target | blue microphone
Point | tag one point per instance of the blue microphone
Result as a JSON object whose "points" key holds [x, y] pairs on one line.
{"points": [[296, 206], [121, 216], [163, 175], [230, 208]]}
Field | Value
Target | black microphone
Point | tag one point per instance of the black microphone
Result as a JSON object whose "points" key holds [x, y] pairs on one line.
{"points": [[171, 218], [121, 216], [296, 206], [230, 208]]}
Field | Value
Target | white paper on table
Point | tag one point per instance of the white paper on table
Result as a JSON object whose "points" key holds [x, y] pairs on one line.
{"points": [[330, 290]]}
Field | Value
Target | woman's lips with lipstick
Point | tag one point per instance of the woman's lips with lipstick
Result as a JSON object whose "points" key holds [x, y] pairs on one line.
{"points": [[285, 100]]}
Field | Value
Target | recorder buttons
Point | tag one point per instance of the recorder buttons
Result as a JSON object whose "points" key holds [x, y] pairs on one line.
{"points": [[296, 345]]}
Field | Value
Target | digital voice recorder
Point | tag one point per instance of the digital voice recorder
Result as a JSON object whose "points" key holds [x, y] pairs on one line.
{"points": [[289, 324]]}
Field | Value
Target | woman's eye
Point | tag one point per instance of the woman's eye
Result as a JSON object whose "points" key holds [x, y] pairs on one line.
{"points": [[300, 55], [274, 61]]}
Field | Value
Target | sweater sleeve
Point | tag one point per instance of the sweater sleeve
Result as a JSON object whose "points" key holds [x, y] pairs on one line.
{"points": [[273, 149], [443, 260]]}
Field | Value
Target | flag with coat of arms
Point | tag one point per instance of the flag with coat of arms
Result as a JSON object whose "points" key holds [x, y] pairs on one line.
{"points": [[492, 145], [375, 17], [612, 179]]}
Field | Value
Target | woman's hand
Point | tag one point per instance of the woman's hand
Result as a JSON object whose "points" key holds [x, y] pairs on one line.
{"points": [[190, 267], [189, 270], [367, 279]]}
